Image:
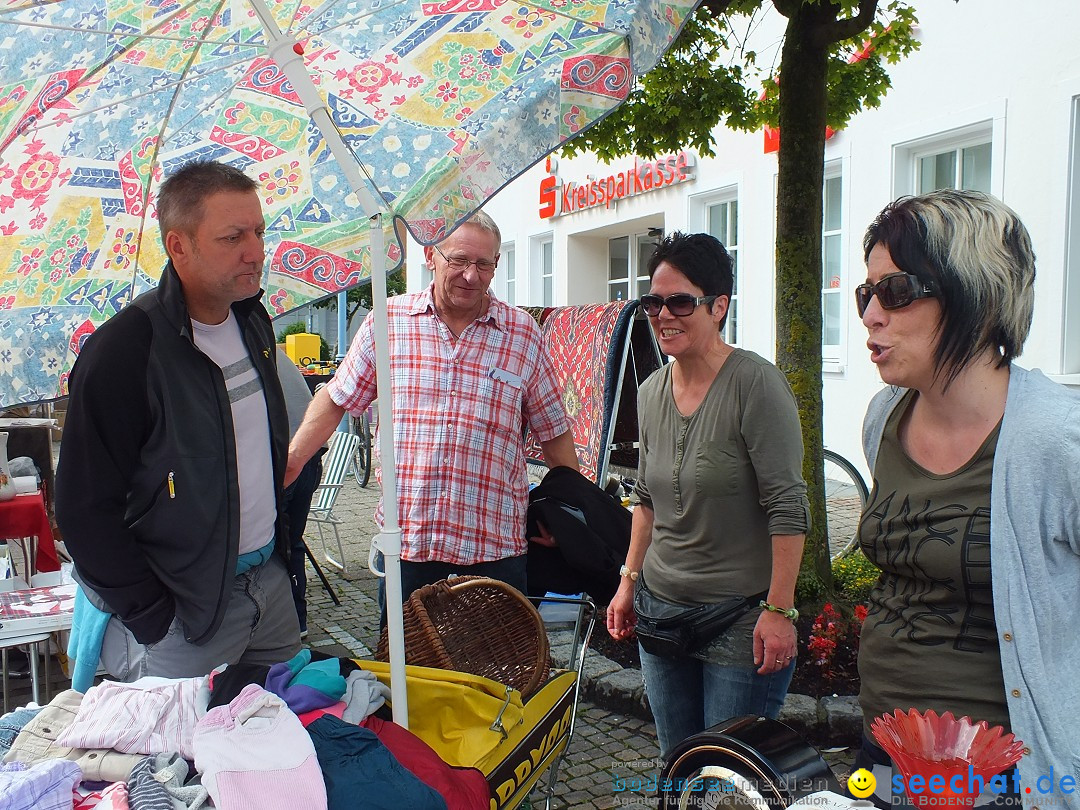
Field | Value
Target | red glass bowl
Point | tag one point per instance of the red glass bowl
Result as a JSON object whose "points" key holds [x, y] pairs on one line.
{"points": [[930, 744]]}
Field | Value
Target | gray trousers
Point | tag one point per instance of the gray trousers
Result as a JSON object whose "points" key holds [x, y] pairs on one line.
{"points": [[259, 627]]}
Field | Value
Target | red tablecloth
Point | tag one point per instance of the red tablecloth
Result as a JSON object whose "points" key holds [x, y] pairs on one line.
{"points": [[25, 516]]}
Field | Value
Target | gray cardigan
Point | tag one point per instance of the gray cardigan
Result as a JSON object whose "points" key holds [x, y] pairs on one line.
{"points": [[1035, 565]]}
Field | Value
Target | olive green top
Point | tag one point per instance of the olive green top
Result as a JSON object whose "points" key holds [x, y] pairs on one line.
{"points": [[721, 481], [930, 636]]}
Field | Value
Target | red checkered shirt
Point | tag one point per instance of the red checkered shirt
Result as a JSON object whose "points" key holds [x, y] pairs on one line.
{"points": [[460, 407]]}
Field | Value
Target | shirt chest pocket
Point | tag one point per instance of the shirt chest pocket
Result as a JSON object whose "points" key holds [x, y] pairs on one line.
{"points": [[498, 404], [717, 468]]}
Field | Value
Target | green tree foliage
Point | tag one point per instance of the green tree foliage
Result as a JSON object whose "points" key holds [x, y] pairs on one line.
{"points": [[832, 65], [711, 78]]}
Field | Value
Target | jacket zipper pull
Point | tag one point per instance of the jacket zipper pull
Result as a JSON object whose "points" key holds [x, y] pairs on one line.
{"points": [[172, 486]]}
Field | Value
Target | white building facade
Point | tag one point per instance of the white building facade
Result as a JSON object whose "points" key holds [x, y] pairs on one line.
{"points": [[990, 102]]}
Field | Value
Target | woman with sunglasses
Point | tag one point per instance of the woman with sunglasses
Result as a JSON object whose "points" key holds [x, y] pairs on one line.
{"points": [[723, 504], [974, 517]]}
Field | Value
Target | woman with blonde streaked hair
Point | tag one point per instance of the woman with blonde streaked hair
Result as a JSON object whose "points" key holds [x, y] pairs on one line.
{"points": [[974, 517]]}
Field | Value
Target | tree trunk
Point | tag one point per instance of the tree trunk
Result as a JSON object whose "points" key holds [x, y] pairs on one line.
{"points": [[798, 256]]}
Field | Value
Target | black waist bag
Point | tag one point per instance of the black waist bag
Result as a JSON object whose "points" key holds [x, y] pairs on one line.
{"points": [[672, 630]]}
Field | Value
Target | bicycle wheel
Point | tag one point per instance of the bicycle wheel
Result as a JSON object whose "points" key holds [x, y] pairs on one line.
{"points": [[361, 460], [845, 496]]}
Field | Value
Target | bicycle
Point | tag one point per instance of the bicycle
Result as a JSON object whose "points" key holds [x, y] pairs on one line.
{"points": [[845, 497], [360, 463]]}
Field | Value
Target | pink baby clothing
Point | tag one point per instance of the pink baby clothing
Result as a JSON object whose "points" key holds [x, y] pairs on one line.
{"points": [[114, 797], [147, 716], [254, 754], [307, 718]]}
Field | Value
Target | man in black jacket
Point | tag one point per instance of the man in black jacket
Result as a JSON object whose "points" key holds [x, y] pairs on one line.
{"points": [[169, 488]]}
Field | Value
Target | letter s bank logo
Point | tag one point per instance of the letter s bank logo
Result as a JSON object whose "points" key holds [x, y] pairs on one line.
{"points": [[548, 197]]}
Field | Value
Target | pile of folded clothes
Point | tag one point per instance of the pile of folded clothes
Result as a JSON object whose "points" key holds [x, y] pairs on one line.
{"points": [[305, 733]]}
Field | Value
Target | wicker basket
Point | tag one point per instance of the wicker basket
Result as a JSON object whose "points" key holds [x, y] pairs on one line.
{"points": [[477, 625]]}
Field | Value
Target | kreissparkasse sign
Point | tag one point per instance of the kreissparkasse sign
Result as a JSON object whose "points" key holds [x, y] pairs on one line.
{"points": [[559, 198]]}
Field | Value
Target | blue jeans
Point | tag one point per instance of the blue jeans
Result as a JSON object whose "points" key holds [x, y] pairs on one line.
{"points": [[688, 695]]}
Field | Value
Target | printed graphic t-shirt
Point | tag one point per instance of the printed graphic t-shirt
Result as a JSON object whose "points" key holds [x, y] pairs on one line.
{"points": [[930, 638]]}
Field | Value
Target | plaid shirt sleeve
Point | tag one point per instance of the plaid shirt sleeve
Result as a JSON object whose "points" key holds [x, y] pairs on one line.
{"points": [[353, 385]]}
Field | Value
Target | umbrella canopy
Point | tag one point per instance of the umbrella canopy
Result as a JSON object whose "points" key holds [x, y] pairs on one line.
{"points": [[440, 104]]}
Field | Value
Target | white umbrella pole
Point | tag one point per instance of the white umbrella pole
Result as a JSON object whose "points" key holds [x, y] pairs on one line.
{"points": [[388, 540], [288, 53]]}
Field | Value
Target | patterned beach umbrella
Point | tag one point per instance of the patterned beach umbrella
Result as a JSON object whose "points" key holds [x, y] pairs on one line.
{"points": [[425, 110]]}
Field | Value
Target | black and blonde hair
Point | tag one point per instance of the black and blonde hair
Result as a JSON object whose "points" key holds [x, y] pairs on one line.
{"points": [[976, 253]]}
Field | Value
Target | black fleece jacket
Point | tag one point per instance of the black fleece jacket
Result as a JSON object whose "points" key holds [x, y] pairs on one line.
{"points": [[147, 493], [593, 534]]}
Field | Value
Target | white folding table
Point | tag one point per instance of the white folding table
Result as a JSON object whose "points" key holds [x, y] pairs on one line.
{"points": [[30, 632]]}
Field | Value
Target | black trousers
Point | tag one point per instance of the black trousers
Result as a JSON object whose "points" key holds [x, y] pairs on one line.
{"points": [[510, 570], [297, 505]]}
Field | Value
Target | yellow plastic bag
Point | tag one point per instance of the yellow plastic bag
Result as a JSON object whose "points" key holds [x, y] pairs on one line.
{"points": [[464, 717]]}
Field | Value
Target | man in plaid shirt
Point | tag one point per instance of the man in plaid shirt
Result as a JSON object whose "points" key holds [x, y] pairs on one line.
{"points": [[468, 372]]}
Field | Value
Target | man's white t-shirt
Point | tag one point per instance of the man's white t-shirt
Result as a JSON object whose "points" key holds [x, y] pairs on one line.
{"points": [[223, 344]]}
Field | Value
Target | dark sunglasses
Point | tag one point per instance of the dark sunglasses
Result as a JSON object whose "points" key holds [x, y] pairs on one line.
{"points": [[679, 304], [895, 291]]}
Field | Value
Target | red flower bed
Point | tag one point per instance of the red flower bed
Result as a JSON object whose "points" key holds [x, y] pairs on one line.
{"points": [[828, 652]]}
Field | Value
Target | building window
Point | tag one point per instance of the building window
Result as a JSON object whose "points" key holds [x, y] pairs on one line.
{"points": [[535, 285], [832, 268], [508, 271], [628, 262], [646, 247], [722, 221], [547, 273], [967, 167], [618, 268], [960, 158]]}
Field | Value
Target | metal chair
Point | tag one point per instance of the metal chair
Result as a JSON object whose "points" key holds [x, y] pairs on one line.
{"points": [[30, 641], [335, 466]]}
